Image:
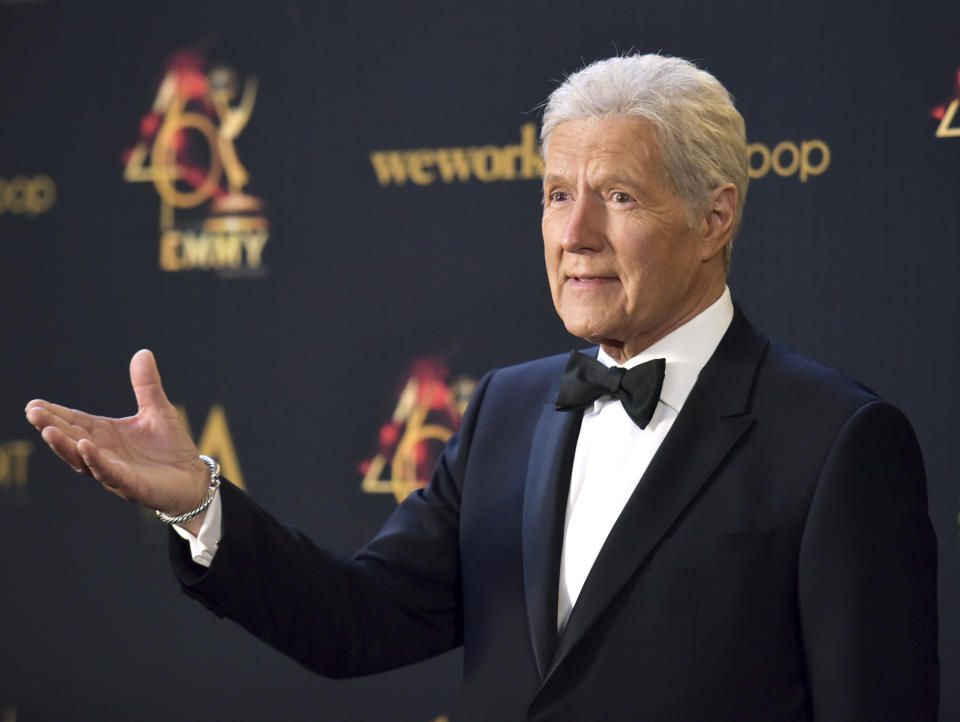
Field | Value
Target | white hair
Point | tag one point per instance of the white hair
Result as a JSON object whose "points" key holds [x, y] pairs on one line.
{"points": [[703, 142]]}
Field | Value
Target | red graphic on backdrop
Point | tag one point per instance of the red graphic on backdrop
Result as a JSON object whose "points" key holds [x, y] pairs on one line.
{"points": [[186, 80], [428, 412], [947, 112]]}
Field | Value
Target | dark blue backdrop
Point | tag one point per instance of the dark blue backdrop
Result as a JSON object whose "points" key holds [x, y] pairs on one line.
{"points": [[854, 264]]}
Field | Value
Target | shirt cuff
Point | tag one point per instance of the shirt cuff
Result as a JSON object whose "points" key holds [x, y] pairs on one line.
{"points": [[204, 545]]}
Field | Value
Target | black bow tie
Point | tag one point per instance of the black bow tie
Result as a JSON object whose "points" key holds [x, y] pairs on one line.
{"points": [[585, 380]]}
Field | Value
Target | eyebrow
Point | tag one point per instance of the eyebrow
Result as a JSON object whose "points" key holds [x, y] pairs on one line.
{"points": [[616, 180]]}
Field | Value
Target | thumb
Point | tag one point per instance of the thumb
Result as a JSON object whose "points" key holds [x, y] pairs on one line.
{"points": [[145, 378]]}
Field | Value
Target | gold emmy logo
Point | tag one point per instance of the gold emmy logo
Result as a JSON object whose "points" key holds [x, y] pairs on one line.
{"points": [[946, 114], [428, 413], [186, 149]]}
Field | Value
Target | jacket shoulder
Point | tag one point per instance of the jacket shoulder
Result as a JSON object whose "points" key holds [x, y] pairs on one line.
{"points": [[539, 377], [750, 372], [807, 383]]}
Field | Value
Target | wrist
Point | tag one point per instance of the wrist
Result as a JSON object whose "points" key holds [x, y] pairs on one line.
{"points": [[196, 524], [196, 514]]}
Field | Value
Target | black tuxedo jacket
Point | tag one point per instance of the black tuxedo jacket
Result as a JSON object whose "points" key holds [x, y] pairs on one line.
{"points": [[776, 561]]}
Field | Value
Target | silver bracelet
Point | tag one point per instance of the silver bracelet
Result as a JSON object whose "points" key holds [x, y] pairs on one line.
{"points": [[211, 492]]}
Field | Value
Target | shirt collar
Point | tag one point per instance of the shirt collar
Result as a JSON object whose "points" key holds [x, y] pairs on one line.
{"points": [[686, 350]]}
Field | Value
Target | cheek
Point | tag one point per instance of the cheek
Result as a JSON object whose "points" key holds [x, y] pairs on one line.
{"points": [[647, 262], [636, 276], [552, 252], [548, 244], [552, 263], [552, 225], [551, 259]]}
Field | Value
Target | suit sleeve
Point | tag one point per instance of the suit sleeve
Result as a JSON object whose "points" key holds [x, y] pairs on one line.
{"points": [[867, 577], [395, 602]]}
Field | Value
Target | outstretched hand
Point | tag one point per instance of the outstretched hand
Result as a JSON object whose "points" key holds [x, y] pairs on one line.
{"points": [[148, 458]]}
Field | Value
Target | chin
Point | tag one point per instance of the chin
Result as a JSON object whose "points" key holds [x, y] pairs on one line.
{"points": [[587, 332]]}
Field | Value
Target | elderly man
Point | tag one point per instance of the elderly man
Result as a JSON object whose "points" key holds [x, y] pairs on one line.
{"points": [[685, 522]]}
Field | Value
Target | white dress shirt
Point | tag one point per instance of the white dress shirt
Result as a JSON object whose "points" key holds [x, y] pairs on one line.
{"points": [[204, 545], [613, 453]]}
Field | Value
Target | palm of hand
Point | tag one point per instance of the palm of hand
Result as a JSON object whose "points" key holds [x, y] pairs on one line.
{"points": [[147, 458]]}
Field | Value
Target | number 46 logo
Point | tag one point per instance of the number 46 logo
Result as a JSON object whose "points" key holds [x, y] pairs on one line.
{"points": [[946, 114]]}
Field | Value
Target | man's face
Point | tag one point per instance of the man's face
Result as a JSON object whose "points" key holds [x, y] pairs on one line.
{"points": [[624, 264]]}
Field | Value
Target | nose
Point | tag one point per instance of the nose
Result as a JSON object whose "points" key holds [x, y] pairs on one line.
{"points": [[583, 231]]}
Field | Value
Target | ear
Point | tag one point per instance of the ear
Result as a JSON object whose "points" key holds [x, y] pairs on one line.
{"points": [[719, 221]]}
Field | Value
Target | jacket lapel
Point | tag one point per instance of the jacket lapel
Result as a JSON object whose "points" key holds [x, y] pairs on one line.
{"points": [[711, 422], [544, 505]]}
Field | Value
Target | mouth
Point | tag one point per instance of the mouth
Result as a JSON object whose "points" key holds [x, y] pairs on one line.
{"points": [[589, 281]]}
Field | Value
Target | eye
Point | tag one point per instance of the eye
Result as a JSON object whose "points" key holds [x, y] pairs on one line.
{"points": [[621, 197], [558, 196]]}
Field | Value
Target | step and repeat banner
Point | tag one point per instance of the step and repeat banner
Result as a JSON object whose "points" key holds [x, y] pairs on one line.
{"points": [[324, 220]]}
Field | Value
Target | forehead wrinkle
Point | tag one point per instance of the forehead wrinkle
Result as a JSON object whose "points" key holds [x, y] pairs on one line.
{"points": [[604, 163]]}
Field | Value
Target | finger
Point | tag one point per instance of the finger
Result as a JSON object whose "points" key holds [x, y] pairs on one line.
{"points": [[102, 469], [41, 418], [69, 416], [36, 414], [64, 447], [145, 378]]}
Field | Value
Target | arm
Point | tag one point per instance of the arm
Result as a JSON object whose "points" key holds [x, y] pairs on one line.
{"points": [[867, 577], [397, 601]]}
